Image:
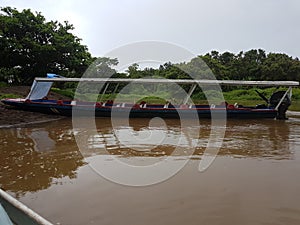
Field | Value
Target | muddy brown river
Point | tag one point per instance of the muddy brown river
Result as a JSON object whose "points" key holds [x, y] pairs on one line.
{"points": [[254, 179]]}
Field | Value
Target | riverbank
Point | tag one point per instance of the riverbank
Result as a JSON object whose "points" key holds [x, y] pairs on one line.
{"points": [[10, 117]]}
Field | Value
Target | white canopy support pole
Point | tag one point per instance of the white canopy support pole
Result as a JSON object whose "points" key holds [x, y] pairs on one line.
{"points": [[283, 97], [106, 86], [192, 89], [116, 88], [291, 93]]}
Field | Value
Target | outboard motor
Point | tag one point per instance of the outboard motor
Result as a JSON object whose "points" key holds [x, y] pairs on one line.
{"points": [[274, 101]]}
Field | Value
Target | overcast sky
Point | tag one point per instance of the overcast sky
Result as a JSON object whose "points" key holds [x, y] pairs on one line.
{"points": [[197, 25]]}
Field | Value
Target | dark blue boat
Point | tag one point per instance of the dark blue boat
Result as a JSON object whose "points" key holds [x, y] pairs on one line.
{"points": [[276, 106]]}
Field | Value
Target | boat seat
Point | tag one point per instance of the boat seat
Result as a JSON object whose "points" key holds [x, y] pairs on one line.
{"points": [[184, 106], [59, 102], [143, 104], [136, 106], [98, 105], [230, 106]]}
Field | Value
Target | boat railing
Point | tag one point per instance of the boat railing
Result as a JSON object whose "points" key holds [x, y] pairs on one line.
{"points": [[20, 213]]}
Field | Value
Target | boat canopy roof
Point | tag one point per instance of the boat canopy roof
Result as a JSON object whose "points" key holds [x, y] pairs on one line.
{"points": [[177, 81]]}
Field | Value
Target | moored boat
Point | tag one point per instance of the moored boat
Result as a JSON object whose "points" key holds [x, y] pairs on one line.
{"points": [[275, 107]]}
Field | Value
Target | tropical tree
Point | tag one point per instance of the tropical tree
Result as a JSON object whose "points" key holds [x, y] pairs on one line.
{"points": [[30, 46], [280, 66], [253, 65]]}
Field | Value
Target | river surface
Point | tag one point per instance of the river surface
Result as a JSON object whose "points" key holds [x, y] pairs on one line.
{"points": [[255, 178]]}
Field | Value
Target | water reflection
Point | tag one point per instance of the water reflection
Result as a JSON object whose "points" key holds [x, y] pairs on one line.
{"points": [[35, 157], [249, 138], [32, 158], [141, 139], [267, 139], [42, 141]]}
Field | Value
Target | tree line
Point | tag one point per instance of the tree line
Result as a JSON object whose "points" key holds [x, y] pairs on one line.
{"points": [[30, 46]]}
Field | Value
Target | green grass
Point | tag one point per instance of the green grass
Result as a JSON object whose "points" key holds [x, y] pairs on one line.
{"points": [[250, 94], [295, 106], [3, 96], [3, 84], [66, 92]]}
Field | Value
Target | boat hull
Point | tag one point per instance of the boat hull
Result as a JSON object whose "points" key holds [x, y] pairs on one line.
{"points": [[151, 111]]}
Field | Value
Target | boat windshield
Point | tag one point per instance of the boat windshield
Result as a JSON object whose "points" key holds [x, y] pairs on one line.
{"points": [[39, 90]]}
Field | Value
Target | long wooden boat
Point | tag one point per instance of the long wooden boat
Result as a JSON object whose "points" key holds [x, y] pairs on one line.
{"points": [[13, 212], [275, 107]]}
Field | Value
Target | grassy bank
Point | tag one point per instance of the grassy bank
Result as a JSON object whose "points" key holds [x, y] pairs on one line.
{"points": [[3, 96]]}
